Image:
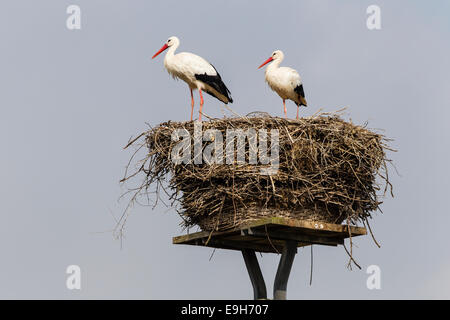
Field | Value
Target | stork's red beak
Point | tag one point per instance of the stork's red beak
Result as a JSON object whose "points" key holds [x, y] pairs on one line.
{"points": [[265, 62], [164, 47]]}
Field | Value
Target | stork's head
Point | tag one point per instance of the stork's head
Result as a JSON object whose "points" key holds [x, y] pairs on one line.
{"points": [[172, 41], [276, 56]]}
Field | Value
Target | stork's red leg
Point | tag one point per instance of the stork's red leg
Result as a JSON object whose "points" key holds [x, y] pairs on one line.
{"points": [[201, 105], [192, 104], [285, 111], [298, 106]]}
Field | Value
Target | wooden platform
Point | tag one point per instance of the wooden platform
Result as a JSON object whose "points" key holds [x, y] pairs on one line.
{"points": [[271, 234]]}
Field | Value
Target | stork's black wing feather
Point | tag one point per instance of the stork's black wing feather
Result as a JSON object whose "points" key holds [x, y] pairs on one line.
{"points": [[299, 90], [215, 82]]}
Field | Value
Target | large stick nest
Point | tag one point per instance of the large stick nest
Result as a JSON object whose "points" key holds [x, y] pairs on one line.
{"points": [[329, 170]]}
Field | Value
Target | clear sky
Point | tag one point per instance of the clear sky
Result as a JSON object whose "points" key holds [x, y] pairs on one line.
{"points": [[70, 100]]}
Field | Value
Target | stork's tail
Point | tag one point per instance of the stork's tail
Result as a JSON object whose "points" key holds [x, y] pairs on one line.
{"points": [[301, 95], [303, 101], [216, 83]]}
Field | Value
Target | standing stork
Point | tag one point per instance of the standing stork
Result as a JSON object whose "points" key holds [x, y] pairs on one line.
{"points": [[284, 81], [196, 72]]}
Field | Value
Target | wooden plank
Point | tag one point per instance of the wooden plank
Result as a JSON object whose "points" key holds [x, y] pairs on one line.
{"points": [[234, 245], [270, 234], [197, 235], [304, 224], [292, 236]]}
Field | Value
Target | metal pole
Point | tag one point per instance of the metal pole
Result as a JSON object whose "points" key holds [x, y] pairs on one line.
{"points": [[284, 269], [254, 271]]}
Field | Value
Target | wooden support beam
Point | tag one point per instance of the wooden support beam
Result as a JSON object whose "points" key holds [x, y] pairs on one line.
{"points": [[270, 234], [256, 277], [304, 238]]}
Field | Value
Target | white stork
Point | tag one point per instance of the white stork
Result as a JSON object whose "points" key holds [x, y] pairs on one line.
{"points": [[196, 72], [284, 81]]}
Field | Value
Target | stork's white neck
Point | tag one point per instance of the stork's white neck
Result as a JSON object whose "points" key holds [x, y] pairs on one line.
{"points": [[171, 51], [275, 64]]}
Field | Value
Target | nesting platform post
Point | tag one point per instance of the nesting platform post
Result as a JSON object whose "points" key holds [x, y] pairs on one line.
{"points": [[275, 235], [254, 271]]}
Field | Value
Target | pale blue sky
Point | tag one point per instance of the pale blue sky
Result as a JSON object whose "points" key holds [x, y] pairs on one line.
{"points": [[71, 99]]}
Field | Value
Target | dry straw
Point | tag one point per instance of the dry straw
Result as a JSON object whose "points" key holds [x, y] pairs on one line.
{"points": [[329, 170]]}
